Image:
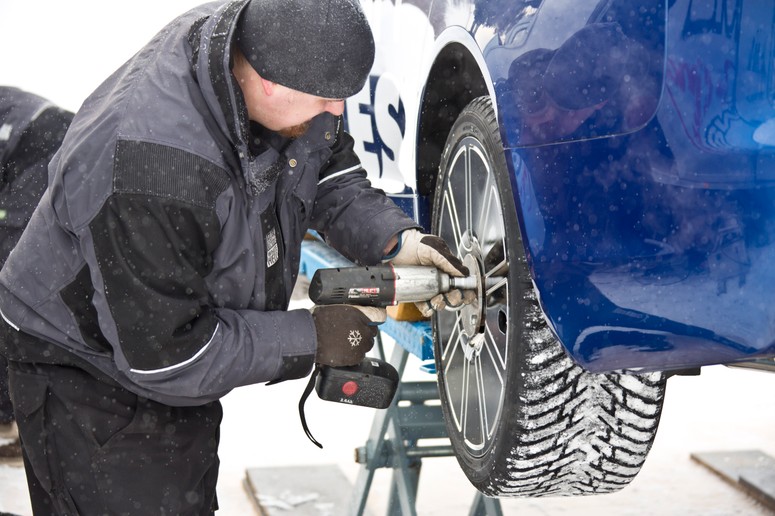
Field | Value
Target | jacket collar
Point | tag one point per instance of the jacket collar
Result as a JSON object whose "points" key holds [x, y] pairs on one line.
{"points": [[213, 72]]}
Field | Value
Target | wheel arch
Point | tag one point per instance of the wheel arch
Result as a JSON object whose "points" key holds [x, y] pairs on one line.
{"points": [[457, 75]]}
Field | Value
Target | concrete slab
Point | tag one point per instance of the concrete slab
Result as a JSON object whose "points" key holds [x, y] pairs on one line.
{"points": [[761, 485], [320, 490], [751, 470]]}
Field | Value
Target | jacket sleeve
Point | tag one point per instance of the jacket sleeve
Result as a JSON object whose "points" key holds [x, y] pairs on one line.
{"points": [[154, 245], [357, 219]]}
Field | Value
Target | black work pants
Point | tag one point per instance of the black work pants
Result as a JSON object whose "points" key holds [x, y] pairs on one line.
{"points": [[93, 448], [6, 409]]}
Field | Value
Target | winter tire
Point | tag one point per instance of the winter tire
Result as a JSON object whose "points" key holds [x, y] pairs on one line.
{"points": [[522, 417]]}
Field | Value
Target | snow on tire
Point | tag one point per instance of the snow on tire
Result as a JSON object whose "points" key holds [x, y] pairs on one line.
{"points": [[578, 432]]}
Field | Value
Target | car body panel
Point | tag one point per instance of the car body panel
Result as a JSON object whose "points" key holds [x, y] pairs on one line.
{"points": [[640, 139]]}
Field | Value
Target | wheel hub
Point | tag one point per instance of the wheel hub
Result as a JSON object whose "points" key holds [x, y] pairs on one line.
{"points": [[472, 315]]}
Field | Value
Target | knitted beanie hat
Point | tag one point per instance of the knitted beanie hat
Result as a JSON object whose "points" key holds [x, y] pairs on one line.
{"points": [[321, 47]]}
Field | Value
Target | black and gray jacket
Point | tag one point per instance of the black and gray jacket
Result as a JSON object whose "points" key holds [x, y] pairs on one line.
{"points": [[164, 252]]}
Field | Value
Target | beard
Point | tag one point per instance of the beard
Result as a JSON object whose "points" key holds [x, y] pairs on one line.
{"points": [[295, 130]]}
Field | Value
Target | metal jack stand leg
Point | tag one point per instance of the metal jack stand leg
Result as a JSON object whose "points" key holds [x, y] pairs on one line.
{"points": [[384, 448], [393, 443], [485, 506]]}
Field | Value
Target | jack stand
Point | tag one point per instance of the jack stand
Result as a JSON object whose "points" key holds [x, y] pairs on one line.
{"points": [[393, 443]]}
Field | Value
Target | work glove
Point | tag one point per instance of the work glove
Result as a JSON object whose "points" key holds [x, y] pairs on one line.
{"points": [[417, 248], [345, 332]]}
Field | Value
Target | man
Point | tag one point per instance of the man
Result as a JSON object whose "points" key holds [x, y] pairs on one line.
{"points": [[155, 274], [31, 130]]}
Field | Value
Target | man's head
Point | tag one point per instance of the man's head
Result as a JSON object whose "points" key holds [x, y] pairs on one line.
{"points": [[305, 48]]}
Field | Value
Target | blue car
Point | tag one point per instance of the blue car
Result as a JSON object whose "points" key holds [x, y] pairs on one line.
{"points": [[606, 167]]}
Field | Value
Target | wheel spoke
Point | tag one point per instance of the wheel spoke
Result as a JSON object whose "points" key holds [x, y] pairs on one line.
{"points": [[486, 196], [468, 190], [472, 403], [454, 341], [497, 345], [453, 203], [454, 220], [481, 398], [498, 361], [456, 368], [464, 399], [501, 281], [494, 369]]}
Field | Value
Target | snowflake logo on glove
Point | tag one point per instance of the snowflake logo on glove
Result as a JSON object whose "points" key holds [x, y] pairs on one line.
{"points": [[355, 338]]}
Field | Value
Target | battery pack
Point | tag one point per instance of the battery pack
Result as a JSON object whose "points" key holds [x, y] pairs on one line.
{"points": [[372, 383]]}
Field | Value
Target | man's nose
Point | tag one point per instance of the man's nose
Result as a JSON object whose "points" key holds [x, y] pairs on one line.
{"points": [[335, 107]]}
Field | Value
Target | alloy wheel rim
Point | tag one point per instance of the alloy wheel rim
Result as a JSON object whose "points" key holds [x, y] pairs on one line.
{"points": [[473, 341]]}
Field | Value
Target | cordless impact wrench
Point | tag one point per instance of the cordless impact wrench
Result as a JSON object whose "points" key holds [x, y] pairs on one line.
{"points": [[373, 382]]}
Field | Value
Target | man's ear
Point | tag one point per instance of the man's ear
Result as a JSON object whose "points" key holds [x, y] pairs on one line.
{"points": [[268, 86]]}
